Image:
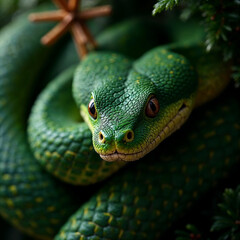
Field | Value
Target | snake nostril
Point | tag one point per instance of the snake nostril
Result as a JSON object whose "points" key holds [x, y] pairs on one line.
{"points": [[101, 137], [129, 136]]}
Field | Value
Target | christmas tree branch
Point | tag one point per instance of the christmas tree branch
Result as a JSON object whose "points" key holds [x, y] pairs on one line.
{"points": [[221, 20]]}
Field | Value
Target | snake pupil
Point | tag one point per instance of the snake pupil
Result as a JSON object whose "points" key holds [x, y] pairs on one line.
{"points": [[92, 110], [152, 107], [129, 135]]}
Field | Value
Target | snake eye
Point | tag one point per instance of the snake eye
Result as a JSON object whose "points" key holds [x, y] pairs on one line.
{"points": [[92, 110], [152, 107]]}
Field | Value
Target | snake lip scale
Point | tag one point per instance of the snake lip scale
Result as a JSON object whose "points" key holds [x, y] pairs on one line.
{"points": [[170, 127]]}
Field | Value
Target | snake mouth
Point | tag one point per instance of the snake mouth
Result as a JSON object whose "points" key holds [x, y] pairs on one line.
{"points": [[126, 157], [175, 123]]}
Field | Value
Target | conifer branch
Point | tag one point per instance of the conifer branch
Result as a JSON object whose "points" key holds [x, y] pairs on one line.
{"points": [[164, 5], [221, 20]]}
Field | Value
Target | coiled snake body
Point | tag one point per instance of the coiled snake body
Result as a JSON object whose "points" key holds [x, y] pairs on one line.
{"points": [[143, 199]]}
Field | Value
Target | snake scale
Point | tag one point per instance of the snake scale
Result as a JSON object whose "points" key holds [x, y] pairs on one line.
{"points": [[144, 198]]}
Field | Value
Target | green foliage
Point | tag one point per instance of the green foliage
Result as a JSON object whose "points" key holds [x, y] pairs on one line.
{"points": [[221, 20], [164, 5], [226, 224], [228, 220]]}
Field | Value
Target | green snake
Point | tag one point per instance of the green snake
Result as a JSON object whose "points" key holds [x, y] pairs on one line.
{"points": [[130, 106]]}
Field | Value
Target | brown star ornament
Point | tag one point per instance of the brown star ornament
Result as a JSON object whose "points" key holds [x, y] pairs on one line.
{"points": [[71, 18]]}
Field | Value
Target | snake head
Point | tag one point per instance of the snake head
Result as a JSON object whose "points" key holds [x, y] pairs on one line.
{"points": [[131, 107]]}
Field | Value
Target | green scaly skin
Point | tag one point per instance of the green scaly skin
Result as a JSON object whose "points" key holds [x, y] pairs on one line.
{"points": [[121, 90], [27, 198], [137, 200], [62, 143], [59, 141], [143, 201]]}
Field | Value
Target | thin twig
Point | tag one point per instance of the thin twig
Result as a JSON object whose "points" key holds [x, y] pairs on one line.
{"points": [[95, 12], [47, 16], [52, 36]]}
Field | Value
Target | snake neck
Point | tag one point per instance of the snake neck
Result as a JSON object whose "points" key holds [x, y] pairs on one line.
{"points": [[212, 81], [213, 72]]}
